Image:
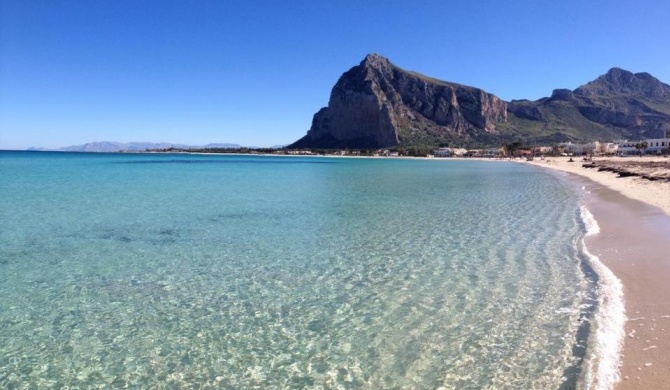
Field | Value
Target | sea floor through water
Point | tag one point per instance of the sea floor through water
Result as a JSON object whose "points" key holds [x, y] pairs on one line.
{"points": [[263, 272]]}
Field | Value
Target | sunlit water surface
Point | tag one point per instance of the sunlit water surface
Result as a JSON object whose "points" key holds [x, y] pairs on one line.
{"points": [[286, 272]]}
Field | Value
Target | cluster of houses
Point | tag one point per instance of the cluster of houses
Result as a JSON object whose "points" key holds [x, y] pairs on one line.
{"points": [[596, 148]]}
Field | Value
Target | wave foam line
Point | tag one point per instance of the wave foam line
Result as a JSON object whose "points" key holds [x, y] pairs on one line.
{"points": [[601, 371]]}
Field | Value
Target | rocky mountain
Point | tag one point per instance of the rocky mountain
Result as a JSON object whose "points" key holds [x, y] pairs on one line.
{"points": [[377, 104], [617, 105]]}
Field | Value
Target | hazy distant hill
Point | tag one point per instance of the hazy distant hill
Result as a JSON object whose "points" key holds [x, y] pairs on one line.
{"points": [[108, 147], [220, 146], [377, 104]]}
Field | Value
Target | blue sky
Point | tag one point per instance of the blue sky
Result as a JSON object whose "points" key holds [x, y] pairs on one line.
{"points": [[254, 72]]}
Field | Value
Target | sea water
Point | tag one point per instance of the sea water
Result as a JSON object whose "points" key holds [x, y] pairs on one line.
{"points": [[194, 271]]}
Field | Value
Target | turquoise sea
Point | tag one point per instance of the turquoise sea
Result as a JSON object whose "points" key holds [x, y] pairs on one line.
{"points": [[257, 272]]}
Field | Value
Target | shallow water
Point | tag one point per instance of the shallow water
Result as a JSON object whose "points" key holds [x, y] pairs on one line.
{"points": [[286, 272]]}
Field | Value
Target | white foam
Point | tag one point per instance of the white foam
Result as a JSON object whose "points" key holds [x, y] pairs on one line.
{"points": [[592, 226], [601, 367], [565, 310]]}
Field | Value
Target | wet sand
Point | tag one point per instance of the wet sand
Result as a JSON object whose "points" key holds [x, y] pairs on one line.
{"points": [[634, 242]]}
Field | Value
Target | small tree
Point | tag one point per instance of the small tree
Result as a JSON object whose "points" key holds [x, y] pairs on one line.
{"points": [[510, 149], [641, 147], [601, 148], [504, 150]]}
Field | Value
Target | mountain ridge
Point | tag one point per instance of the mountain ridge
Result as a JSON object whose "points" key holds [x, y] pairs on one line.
{"points": [[111, 147], [377, 104]]}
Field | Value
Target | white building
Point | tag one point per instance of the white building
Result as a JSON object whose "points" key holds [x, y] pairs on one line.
{"points": [[542, 150], [658, 145], [442, 152], [449, 152], [625, 147], [605, 148], [654, 146], [579, 149]]}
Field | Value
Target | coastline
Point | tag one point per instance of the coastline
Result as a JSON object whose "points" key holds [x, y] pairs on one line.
{"points": [[634, 243], [655, 193]]}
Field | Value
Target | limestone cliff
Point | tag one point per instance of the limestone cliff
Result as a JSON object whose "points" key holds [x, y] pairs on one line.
{"points": [[376, 105]]}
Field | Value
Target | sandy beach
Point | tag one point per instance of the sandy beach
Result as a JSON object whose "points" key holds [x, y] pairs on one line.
{"points": [[634, 242], [655, 193]]}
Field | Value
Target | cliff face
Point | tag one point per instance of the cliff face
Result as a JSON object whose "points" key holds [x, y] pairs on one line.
{"points": [[377, 104]]}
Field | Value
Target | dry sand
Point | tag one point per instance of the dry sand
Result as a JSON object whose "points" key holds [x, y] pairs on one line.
{"points": [[634, 242], [655, 193]]}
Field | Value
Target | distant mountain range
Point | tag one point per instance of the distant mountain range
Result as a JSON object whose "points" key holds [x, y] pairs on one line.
{"points": [[377, 104], [109, 147]]}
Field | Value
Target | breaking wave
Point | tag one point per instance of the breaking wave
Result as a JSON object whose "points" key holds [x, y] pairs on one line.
{"points": [[601, 365]]}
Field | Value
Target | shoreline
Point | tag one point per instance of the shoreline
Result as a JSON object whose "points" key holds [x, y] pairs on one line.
{"points": [[655, 193], [634, 243]]}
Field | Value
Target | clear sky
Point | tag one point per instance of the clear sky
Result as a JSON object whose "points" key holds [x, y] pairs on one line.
{"points": [[254, 72]]}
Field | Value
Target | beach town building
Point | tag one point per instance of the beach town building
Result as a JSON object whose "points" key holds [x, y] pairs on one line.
{"points": [[459, 152], [626, 148], [388, 153], [653, 146], [442, 152], [605, 148], [449, 152], [526, 152], [658, 145], [578, 149], [301, 152], [542, 150], [492, 152]]}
